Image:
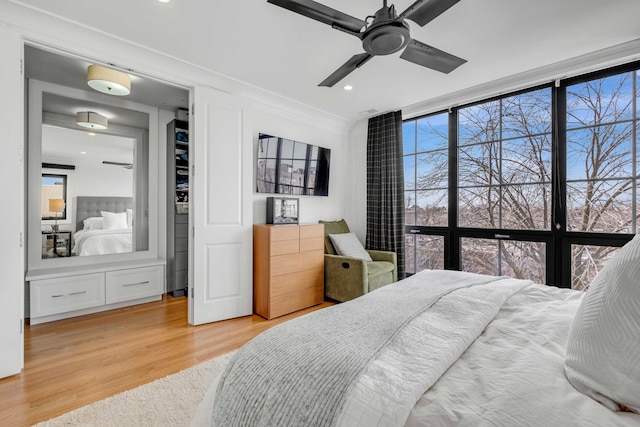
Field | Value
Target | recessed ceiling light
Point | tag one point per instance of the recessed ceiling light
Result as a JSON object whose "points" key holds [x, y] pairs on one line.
{"points": [[348, 87], [163, 1], [84, 152]]}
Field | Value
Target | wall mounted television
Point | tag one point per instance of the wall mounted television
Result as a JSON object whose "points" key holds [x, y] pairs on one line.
{"points": [[291, 167]]}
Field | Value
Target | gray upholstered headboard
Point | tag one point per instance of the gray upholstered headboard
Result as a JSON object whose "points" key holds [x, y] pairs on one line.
{"points": [[89, 206]]}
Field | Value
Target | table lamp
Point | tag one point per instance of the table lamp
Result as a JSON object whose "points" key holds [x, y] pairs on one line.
{"points": [[56, 205]]}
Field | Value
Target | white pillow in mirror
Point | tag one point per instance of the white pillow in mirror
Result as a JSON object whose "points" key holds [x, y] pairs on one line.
{"points": [[129, 218], [93, 223], [114, 221], [603, 347], [347, 244]]}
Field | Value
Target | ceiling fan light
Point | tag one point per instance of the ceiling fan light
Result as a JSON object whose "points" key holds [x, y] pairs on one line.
{"points": [[108, 81], [91, 120]]}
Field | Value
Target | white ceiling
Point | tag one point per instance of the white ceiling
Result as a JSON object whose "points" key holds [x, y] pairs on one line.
{"points": [[78, 147], [288, 54]]}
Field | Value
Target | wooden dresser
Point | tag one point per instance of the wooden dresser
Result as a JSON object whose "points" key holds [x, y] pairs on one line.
{"points": [[288, 268]]}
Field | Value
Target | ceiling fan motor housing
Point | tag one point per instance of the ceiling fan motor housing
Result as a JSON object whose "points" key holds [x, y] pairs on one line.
{"points": [[386, 39]]}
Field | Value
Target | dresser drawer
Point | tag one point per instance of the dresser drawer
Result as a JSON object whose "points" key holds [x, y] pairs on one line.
{"points": [[123, 285], [282, 247], [285, 264], [59, 295], [294, 301], [310, 231], [284, 232], [295, 281], [312, 244]]}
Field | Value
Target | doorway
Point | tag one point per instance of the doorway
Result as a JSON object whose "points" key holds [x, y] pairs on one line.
{"points": [[143, 132]]}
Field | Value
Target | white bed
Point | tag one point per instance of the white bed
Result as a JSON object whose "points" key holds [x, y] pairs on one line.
{"points": [[486, 351], [101, 242], [104, 225]]}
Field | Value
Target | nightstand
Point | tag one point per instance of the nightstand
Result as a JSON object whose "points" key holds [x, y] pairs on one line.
{"points": [[56, 245]]}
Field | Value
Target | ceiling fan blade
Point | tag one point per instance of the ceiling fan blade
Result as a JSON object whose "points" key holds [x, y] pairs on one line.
{"points": [[424, 11], [322, 13], [354, 62], [124, 165], [430, 57]]}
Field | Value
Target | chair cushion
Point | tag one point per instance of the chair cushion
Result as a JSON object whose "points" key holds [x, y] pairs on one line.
{"points": [[375, 268], [347, 244], [333, 227]]}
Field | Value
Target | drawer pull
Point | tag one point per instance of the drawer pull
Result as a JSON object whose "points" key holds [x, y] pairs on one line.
{"points": [[78, 293], [70, 294], [414, 231], [136, 284]]}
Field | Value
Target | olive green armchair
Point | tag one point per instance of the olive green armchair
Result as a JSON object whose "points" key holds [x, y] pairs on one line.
{"points": [[346, 278]]}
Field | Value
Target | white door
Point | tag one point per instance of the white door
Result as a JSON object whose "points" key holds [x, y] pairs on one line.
{"points": [[12, 215], [221, 273]]}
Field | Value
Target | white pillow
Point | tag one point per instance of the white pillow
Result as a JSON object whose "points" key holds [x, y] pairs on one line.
{"points": [[347, 244], [93, 223], [114, 221], [129, 218], [603, 347]]}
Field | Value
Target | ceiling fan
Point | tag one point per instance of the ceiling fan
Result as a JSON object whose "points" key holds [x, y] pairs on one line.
{"points": [[385, 34], [121, 164]]}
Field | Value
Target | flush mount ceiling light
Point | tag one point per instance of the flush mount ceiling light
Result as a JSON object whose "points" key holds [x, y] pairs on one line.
{"points": [[91, 120], [109, 81]]}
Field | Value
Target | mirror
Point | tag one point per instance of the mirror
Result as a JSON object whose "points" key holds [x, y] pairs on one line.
{"points": [[99, 168], [89, 190], [130, 163]]}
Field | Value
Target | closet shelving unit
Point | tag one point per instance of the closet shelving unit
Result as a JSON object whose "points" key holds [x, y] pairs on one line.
{"points": [[178, 207]]}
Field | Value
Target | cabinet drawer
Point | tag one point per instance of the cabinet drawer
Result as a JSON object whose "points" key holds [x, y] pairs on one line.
{"points": [[284, 232], [295, 281], [294, 301], [312, 244], [309, 231], [59, 295], [291, 263], [281, 247], [123, 285]]}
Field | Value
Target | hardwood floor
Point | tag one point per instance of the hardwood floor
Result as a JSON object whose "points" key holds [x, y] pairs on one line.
{"points": [[73, 362]]}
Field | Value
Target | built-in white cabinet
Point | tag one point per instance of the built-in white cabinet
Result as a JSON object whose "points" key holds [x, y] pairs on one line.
{"points": [[66, 294], [60, 296], [126, 285]]}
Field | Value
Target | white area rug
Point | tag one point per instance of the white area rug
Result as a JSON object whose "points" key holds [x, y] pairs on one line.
{"points": [[169, 401]]}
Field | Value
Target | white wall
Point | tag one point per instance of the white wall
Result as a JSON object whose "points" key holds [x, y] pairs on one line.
{"points": [[102, 180], [356, 207], [299, 128]]}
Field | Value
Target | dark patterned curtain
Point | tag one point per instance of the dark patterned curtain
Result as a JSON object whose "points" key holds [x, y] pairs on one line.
{"points": [[385, 186]]}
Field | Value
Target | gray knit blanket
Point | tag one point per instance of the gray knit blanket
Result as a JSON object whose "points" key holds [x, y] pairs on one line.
{"points": [[299, 372]]}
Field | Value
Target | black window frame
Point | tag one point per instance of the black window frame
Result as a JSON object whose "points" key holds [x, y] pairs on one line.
{"points": [[64, 195], [558, 239]]}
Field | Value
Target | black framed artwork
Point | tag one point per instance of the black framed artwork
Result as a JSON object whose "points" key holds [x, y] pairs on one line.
{"points": [[282, 210]]}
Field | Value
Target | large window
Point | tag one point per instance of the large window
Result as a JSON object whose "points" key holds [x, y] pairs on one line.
{"points": [[504, 163], [539, 184]]}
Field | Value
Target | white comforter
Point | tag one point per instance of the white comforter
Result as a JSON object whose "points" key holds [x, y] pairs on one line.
{"points": [[100, 242], [485, 355], [513, 374]]}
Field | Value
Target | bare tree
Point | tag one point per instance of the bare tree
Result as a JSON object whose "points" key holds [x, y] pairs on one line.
{"points": [[504, 175]]}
